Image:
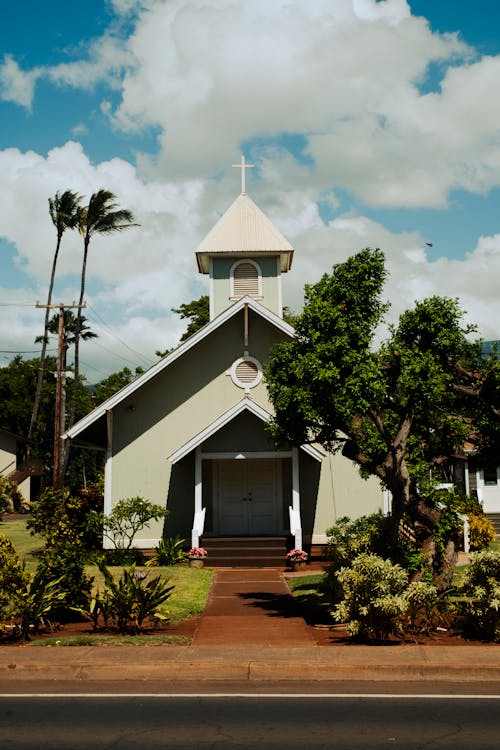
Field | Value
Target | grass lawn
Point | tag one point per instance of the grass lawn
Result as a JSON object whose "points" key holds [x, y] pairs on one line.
{"points": [[495, 545], [306, 591], [187, 599], [24, 544], [191, 584]]}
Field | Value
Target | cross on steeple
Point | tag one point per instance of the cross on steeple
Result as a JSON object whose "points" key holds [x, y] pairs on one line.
{"points": [[243, 165]]}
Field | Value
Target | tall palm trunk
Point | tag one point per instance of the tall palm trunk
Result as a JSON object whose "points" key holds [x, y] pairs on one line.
{"points": [[43, 353], [99, 217], [63, 212]]}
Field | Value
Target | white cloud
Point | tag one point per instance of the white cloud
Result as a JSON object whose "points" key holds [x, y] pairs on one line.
{"points": [[345, 75], [17, 85], [131, 276], [136, 277], [106, 58]]}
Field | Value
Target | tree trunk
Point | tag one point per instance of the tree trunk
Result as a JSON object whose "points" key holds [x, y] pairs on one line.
{"points": [[41, 364], [72, 407]]}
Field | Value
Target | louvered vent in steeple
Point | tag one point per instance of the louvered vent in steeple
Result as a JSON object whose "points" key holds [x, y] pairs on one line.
{"points": [[245, 280]]}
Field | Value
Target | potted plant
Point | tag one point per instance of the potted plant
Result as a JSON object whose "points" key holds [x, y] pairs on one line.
{"points": [[295, 558], [197, 556]]}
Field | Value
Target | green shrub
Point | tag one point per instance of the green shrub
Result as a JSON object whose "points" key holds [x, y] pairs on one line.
{"points": [[481, 531], [134, 597], [481, 586], [34, 602], [373, 600], [10, 497], [168, 552], [128, 516], [54, 507], [133, 556], [64, 560], [423, 606], [13, 576], [366, 535]]}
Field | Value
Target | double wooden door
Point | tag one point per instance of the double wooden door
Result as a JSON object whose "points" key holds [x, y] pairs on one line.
{"points": [[248, 496]]}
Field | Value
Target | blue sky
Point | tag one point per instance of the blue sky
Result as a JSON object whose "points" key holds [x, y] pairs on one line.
{"points": [[370, 123]]}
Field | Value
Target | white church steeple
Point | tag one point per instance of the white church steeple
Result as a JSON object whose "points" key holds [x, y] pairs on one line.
{"points": [[244, 254]]}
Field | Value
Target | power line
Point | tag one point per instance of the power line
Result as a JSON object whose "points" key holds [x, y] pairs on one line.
{"points": [[115, 354], [114, 335], [26, 351]]}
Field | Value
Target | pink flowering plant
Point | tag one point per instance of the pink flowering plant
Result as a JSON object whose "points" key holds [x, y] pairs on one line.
{"points": [[198, 553], [296, 555]]}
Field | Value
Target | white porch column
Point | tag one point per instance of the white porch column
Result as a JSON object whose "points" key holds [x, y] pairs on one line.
{"points": [[198, 495], [108, 472], [297, 530]]}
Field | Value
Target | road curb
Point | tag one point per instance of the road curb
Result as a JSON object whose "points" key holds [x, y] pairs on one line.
{"points": [[251, 671]]}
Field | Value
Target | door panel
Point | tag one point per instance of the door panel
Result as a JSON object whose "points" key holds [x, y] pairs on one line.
{"points": [[248, 496], [232, 511], [262, 484]]}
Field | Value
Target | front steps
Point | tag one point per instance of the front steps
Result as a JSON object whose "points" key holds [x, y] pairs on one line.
{"points": [[495, 520], [245, 552]]}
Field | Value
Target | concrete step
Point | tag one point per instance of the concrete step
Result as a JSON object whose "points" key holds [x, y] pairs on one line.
{"points": [[254, 552], [495, 520]]}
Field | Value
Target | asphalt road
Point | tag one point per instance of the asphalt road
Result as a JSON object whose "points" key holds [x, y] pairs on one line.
{"points": [[225, 722]]}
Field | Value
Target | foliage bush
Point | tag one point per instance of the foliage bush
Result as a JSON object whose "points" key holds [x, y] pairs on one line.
{"points": [[10, 497], [34, 602], [13, 576], [367, 534], [128, 516], [481, 531], [53, 505], [423, 606], [63, 559], [61, 520], [132, 556], [128, 601], [373, 602], [168, 552], [481, 586]]}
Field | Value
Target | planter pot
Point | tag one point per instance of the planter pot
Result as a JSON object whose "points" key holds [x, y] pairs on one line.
{"points": [[295, 565], [196, 562]]}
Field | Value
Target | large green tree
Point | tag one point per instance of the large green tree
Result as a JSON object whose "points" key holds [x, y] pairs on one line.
{"points": [[398, 409], [197, 312], [114, 383], [17, 384]]}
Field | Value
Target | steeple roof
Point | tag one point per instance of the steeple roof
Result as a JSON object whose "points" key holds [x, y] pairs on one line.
{"points": [[244, 230]]}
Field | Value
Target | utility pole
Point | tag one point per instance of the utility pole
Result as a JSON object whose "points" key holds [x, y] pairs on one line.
{"points": [[60, 410]]}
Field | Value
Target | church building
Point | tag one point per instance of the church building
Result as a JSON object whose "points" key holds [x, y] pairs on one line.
{"points": [[190, 433]]}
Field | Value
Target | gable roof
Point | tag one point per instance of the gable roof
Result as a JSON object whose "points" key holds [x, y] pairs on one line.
{"points": [[245, 404], [163, 363], [244, 230]]}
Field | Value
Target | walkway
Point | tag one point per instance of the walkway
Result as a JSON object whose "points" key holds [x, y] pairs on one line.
{"points": [[251, 606]]}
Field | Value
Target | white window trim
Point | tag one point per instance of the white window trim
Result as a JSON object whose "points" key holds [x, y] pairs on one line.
{"points": [[259, 277], [239, 383]]}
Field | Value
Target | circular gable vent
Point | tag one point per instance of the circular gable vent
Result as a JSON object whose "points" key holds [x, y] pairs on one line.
{"points": [[246, 372]]}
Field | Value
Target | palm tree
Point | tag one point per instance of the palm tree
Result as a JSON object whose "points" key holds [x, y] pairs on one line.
{"points": [[69, 329], [101, 216], [63, 209]]}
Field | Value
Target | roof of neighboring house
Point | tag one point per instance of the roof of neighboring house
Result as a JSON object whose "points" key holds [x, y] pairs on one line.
{"points": [[13, 435], [100, 412], [244, 230]]}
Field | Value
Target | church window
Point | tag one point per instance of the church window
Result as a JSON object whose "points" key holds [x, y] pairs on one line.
{"points": [[246, 279], [490, 475], [246, 372]]}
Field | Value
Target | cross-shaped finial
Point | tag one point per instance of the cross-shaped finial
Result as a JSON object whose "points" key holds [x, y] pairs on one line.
{"points": [[243, 165]]}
